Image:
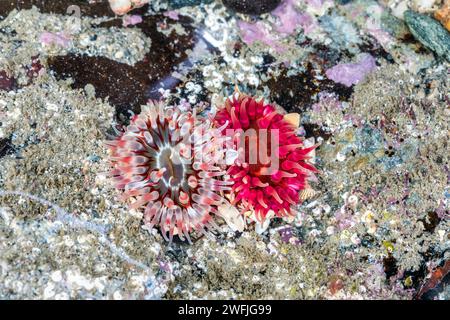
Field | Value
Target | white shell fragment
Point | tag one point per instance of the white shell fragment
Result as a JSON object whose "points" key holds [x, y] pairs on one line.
{"points": [[231, 216], [293, 118]]}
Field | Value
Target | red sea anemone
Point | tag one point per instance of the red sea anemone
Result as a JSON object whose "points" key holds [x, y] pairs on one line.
{"points": [[272, 182], [166, 161]]}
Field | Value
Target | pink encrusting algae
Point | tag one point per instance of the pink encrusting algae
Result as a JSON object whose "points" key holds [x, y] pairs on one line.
{"points": [[259, 31], [352, 73], [259, 187], [289, 17], [59, 38], [167, 162]]}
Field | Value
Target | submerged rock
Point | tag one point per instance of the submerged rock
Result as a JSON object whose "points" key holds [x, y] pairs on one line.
{"points": [[429, 32], [255, 7]]}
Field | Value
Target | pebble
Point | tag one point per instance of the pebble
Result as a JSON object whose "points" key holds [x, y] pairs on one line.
{"points": [[117, 295], [429, 32], [49, 291], [253, 7], [56, 276]]}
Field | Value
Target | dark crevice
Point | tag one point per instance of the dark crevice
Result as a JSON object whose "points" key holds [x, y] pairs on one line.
{"points": [[128, 87]]}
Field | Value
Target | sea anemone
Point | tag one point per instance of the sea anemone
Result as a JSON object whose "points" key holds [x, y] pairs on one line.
{"points": [[272, 167], [168, 162]]}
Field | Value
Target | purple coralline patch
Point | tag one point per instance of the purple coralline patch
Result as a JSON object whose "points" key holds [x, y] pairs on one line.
{"points": [[315, 3], [327, 101], [287, 236], [251, 32], [352, 73], [60, 39], [172, 14], [344, 218], [131, 20], [290, 18]]}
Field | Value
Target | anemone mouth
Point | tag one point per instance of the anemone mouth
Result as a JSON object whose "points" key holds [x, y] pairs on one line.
{"points": [[174, 176], [172, 168], [273, 182], [156, 163], [260, 166]]}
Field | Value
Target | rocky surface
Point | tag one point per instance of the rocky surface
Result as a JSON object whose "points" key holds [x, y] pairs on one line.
{"points": [[369, 80], [429, 32], [256, 7]]}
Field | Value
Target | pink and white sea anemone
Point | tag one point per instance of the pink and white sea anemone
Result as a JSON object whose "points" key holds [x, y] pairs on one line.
{"points": [[167, 162]]}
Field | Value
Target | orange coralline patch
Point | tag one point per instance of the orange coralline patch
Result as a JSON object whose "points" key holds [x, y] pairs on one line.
{"points": [[443, 15], [336, 284], [434, 279]]}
